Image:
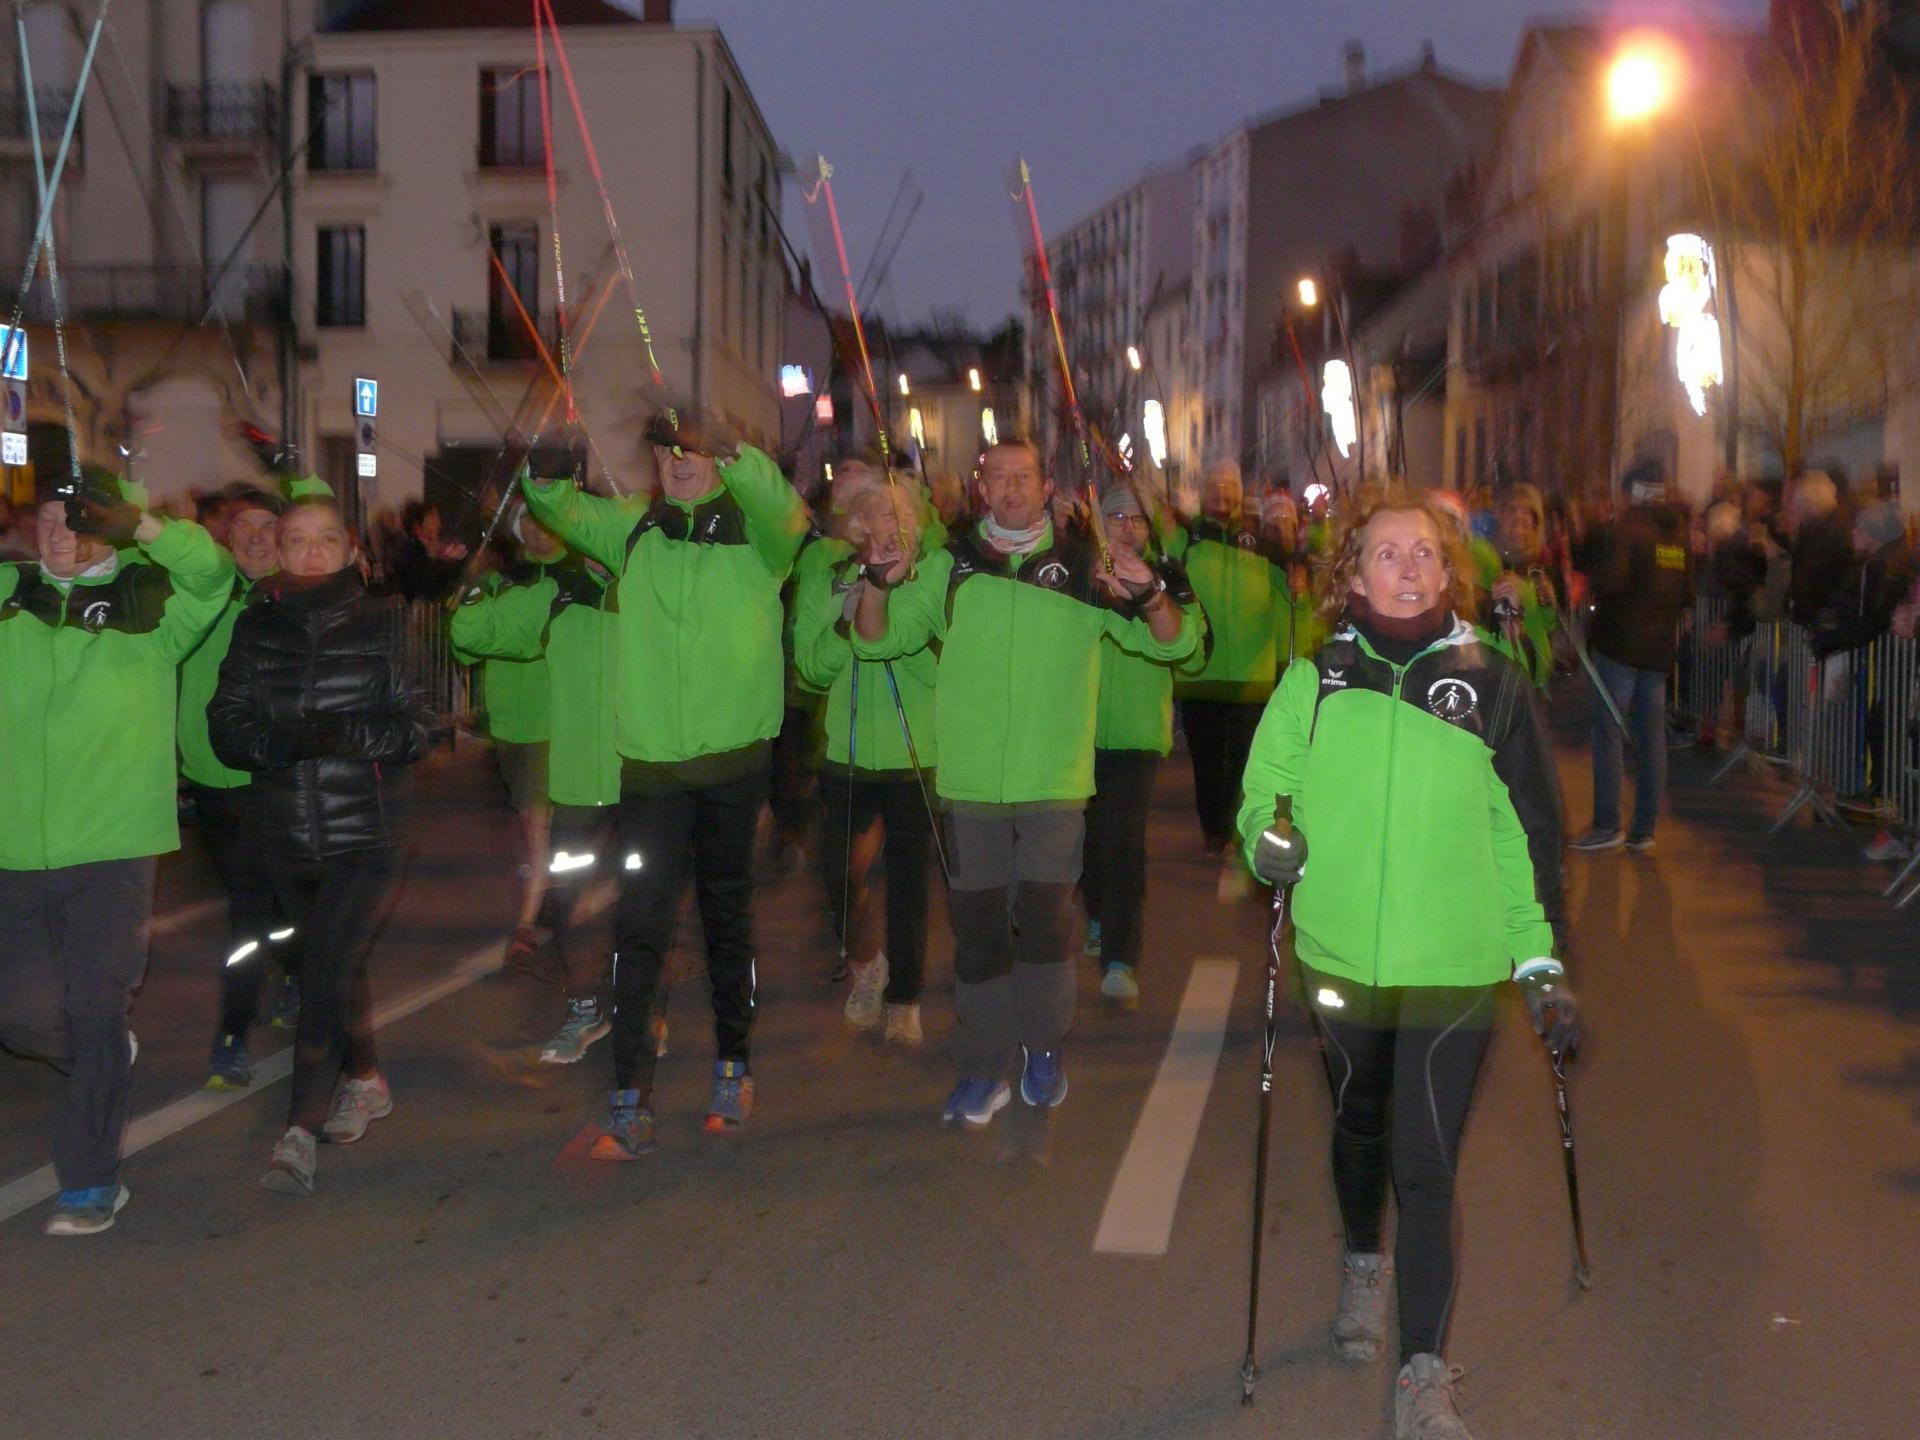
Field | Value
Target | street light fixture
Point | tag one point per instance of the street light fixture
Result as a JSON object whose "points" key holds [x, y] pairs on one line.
{"points": [[1641, 80], [1133, 357], [905, 389], [1309, 293], [973, 379]]}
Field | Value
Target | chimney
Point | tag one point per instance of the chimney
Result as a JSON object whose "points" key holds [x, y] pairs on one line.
{"points": [[657, 12], [1355, 58], [1429, 62]]}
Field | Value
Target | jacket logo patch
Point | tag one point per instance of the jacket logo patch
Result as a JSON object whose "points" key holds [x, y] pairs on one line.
{"points": [[1333, 679], [712, 527], [1247, 540], [94, 617], [1452, 700], [1052, 575]]}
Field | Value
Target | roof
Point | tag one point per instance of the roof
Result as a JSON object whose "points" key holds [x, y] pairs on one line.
{"points": [[358, 16], [1449, 97]]}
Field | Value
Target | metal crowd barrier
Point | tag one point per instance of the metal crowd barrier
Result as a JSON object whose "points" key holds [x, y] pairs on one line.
{"points": [[1844, 728], [417, 632]]}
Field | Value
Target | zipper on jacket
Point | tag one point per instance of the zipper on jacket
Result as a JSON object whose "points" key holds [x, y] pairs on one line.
{"points": [[1393, 734]]}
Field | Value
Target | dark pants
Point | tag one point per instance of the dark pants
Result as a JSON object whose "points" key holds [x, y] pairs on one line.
{"points": [[1641, 698], [666, 835], [792, 798], [1402, 1065], [1114, 882], [1014, 869], [581, 833], [238, 861], [901, 808], [337, 904], [73, 944], [1219, 736]]}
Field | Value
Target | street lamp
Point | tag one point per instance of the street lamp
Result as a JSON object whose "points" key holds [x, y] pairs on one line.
{"points": [[1309, 293], [1641, 80], [905, 389], [1133, 357], [973, 380]]}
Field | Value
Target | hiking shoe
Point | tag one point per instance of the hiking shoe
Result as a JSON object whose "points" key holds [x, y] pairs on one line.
{"points": [[1598, 839], [1360, 1324], [864, 999], [585, 1024], [1640, 843], [1042, 1081], [1120, 985], [286, 1013], [359, 1103], [295, 1157], [1887, 846], [975, 1102], [903, 1027], [732, 1100], [629, 1130], [1092, 945], [87, 1211], [229, 1069], [1425, 1406]]}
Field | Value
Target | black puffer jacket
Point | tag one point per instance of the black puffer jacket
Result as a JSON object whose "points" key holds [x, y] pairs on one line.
{"points": [[311, 701]]}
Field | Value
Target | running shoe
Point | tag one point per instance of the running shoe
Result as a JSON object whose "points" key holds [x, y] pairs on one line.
{"points": [[975, 1102], [629, 1130], [1043, 1081], [229, 1069], [903, 1027], [1887, 846], [87, 1211], [1597, 839], [1360, 1324], [732, 1100], [1092, 945], [1426, 1404], [585, 1024], [286, 1013], [290, 1170], [1120, 985], [865, 998], [359, 1103], [1640, 843]]}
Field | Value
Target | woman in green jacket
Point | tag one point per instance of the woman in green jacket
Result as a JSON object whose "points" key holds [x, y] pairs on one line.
{"points": [[1418, 769]]}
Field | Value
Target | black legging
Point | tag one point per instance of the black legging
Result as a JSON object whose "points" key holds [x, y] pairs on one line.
{"points": [[901, 806], [1219, 736], [1114, 880], [1421, 1048], [241, 865]]}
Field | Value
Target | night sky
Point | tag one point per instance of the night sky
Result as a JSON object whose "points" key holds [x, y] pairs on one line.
{"points": [[1092, 92]]}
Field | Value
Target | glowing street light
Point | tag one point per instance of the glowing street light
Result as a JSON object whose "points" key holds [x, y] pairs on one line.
{"points": [[1642, 79], [1309, 292], [1153, 425], [916, 428], [905, 389], [973, 380], [1133, 357], [989, 431]]}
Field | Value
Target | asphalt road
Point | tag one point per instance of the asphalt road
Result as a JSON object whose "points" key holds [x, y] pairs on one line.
{"points": [[847, 1268]]}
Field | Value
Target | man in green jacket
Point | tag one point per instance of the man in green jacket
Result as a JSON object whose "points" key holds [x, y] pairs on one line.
{"points": [[700, 687], [90, 639], [560, 617], [1132, 735], [1019, 612]]}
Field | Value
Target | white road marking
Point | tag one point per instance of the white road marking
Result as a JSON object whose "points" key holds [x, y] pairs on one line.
{"points": [[186, 915], [170, 1119], [1138, 1219]]}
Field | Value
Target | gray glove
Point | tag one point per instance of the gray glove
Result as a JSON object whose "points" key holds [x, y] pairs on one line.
{"points": [[1280, 854], [1551, 1006]]}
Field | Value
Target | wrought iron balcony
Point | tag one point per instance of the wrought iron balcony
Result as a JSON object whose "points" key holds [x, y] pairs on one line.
{"points": [[499, 337], [169, 294], [238, 112], [52, 107]]}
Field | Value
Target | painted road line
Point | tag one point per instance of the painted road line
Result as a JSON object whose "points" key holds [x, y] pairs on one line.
{"points": [[170, 1119], [1138, 1219], [186, 915]]}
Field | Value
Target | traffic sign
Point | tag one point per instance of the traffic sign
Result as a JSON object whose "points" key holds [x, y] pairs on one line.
{"points": [[13, 448], [369, 466], [14, 351], [366, 398]]}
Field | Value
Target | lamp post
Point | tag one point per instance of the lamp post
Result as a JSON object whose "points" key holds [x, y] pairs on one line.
{"points": [[1309, 292]]}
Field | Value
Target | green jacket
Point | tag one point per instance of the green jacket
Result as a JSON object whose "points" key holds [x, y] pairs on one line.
{"points": [[199, 674], [698, 597], [1135, 710], [823, 659], [88, 693], [1249, 608], [558, 619], [1430, 806], [1019, 677], [515, 689]]}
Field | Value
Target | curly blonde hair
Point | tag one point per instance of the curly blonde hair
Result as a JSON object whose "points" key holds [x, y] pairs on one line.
{"points": [[1350, 528], [871, 504]]}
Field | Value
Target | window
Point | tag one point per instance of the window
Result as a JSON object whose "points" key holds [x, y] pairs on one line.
{"points": [[512, 128], [726, 140], [340, 110], [518, 247], [340, 279]]}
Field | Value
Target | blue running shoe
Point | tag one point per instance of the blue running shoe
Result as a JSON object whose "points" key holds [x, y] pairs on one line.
{"points": [[1043, 1082], [229, 1069], [732, 1100], [975, 1102], [629, 1131], [1092, 947], [88, 1211]]}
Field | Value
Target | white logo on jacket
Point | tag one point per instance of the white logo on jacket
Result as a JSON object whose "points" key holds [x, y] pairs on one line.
{"points": [[94, 617], [1052, 575], [1452, 700]]}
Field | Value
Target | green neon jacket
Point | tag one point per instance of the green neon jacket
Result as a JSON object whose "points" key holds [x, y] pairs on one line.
{"points": [[199, 674], [823, 659], [558, 618], [1249, 609], [1135, 710], [1019, 677], [697, 593], [516, 690], [88, 693], [1431, 809]]}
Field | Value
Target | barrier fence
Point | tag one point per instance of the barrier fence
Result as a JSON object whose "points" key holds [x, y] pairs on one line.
{"points": [[417, 632], [1843, 728]]}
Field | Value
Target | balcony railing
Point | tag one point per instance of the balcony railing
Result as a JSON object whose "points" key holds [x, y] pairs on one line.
{"points": [[500, 337], [163, 293], [52, 106], [240, 112]]}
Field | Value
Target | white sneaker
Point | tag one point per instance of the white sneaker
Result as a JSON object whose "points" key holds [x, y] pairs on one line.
{"points": [[903, 1026], [1887, 846], [290, 1171], [864, 1000], [1426, 1401], [359, 1103]]}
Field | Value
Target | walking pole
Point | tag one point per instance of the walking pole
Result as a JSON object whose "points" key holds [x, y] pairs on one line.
{"points": [[919, 775], [1249, 1372], [841, 969], [1582, 1271]]}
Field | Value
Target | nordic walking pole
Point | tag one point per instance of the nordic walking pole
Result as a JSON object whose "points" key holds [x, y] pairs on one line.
{"points": [[1249, 1372], [919, 775], [1582, 1271], [846, 859]]}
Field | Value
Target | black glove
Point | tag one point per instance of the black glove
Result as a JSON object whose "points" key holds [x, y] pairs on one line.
{"points": [[111, 522], [274, 453], [1280, 854], [696, 431], [1552, 1008]]}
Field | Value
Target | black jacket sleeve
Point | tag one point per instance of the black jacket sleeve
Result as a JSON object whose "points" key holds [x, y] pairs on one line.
{"points": [[1523, 759], [394, 734], [238, 727]]}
